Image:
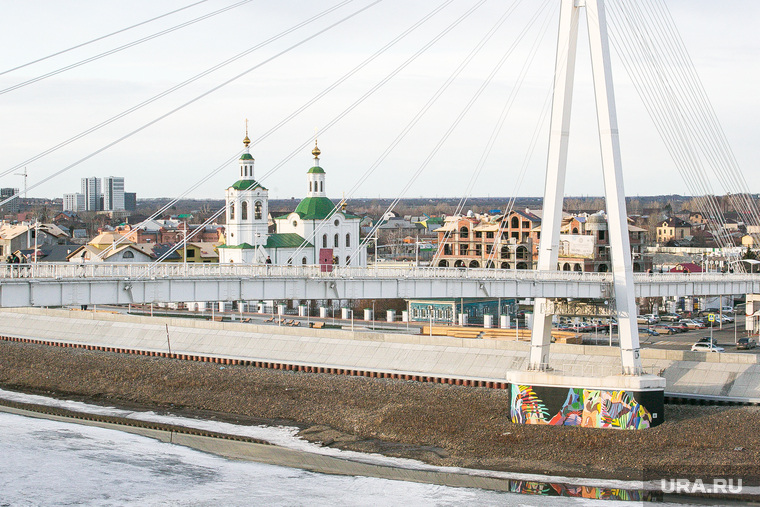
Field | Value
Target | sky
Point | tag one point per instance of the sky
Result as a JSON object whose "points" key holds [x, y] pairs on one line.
{"points": [[171, 155]]}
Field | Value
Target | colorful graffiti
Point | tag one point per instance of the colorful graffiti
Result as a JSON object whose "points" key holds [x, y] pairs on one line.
{"points": [[582, 407], [557, 489]]}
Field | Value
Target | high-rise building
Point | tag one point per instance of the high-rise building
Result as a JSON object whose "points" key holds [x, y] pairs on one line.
{"points": [[73, 202], [11, 206], [91, 192], [130, 201], [113, 193]]}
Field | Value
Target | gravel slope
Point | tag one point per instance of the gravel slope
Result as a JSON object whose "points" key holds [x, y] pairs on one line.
{"points": [[439, 424]]}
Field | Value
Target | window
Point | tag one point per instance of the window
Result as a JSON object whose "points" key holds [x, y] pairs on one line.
{"points": [[464, 233], [463, 249], [348, 240], [336, 241], [526, 224], [232, 211], [295, 223], [257, 210], [310, 186], [489, 235], [324, 240], [244, 211], [515, 222], [446, 249], [489, 249], [601, 235], [321, 186], [128, 255], [336, 223], [478, 234], [303, 261], [190, 253], [348, 261], [478, 250]]}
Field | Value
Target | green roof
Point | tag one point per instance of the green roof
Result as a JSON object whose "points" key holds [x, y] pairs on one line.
{"points": [[286, 240], [247, 185], [315, 208], [315, 169], [246, 156], [241, 246]]}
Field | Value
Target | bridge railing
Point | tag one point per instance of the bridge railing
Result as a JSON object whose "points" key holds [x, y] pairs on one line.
{"points": [[135, 270]]}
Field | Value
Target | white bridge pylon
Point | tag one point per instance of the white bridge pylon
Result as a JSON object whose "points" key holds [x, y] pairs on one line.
{"points": [[622, 268]]}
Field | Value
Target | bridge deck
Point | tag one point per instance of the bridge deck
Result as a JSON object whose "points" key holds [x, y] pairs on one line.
{"points": [[60, 284]]}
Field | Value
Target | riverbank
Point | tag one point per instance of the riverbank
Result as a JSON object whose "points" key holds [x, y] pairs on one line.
{"points": [[439, 424]]}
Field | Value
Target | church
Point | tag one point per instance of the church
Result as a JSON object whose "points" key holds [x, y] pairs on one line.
{"points": [[316, 232]]}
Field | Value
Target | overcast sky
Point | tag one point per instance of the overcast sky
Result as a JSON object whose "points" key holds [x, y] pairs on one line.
{"points": [[169, 156]]}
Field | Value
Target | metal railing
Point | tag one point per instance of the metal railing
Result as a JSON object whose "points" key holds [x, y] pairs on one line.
{"points": [[135, 270]]}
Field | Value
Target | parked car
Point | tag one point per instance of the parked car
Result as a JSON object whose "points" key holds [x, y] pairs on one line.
{"points": [[648, 331], [665, 329], [707, 339], [643, 319], [746, 344], [679, 326], [706, 347], [727, 319], [692, 324], [670, 317], [653, 319]]}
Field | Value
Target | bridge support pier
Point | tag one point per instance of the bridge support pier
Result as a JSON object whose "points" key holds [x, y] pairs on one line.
{"points": [[620, 250], [569, 399]]}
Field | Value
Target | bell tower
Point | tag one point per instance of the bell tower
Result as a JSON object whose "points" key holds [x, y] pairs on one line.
{"points": [[247, 206]]}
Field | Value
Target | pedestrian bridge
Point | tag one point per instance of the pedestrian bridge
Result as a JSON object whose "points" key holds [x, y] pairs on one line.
{"points": [[62, 284]]}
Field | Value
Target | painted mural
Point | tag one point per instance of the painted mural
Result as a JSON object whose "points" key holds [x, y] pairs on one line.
{"points": [[582, 407], [558, 489]]}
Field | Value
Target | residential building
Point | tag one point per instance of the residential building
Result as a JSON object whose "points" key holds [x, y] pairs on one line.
{"points": [[74, 202], [504, 241], [130, 201], [113, 193], [672, 228], [12, 206], [511, 242], [92, 194], [112, 247]]}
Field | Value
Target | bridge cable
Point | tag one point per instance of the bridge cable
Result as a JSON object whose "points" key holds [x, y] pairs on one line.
{"points": [[295, 113], [101, 37], [350, 108], [492, 140], [121, 48], [420, 114], [681, 100], [668, 117], [197, 98], [453, 126], [174, 88]]}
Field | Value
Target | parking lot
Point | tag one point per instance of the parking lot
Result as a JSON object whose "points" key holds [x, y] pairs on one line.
{"points": [[725, 337]]}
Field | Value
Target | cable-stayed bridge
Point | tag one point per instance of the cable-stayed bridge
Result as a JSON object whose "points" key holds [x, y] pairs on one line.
{"points": [[61, 284], [651, 53]]}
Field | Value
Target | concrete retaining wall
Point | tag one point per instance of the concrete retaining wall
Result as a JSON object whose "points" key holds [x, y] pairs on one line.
{"points": [[736, 375]]}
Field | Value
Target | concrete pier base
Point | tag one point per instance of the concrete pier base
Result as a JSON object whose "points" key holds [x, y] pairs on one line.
{"points": [[613, 401]]}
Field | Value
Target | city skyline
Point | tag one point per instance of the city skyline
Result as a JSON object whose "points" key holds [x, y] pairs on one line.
{"points": [[186, 146]]}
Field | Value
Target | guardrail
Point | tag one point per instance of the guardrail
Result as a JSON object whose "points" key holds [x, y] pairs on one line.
{"points": [[135, 270], [149, 270]]}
